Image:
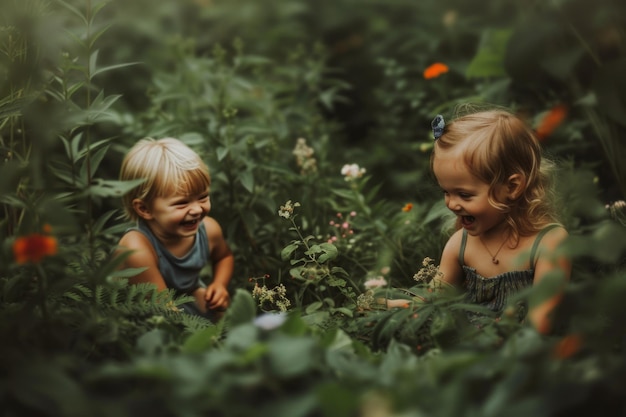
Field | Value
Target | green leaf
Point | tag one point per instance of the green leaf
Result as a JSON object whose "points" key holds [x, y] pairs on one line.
{"points": [[313, 307], [288, 250], [94, 163], [291, 356], [489, 60], [247, 180], [152, 342], [243, 308], [127, 273], [112, 67], [201, 340], [330, 252], [75, 11], [222, 152]]}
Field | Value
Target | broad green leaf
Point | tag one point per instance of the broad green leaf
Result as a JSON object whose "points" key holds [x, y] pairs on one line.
{"points": [[313, 307], [201, 340], [489, 60], [288, 250], [243, 308], [222, 152], [247, 180]]}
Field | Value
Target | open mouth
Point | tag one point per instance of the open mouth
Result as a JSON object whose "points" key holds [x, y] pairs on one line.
{"points": [[190, 223], [467, 220]]}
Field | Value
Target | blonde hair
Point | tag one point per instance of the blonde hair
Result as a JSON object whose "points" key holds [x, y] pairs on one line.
{"points": [[497, 144], [168, 166]]}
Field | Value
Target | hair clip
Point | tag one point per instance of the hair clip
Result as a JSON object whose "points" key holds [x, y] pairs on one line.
{"points": [[438, 124]]}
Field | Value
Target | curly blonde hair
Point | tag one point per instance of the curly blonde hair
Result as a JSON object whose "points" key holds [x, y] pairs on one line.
{"points": [[497, 144], [167, 166]]}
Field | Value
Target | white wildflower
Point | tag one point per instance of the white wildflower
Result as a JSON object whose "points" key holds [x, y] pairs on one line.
{"points": [[352, 171], [286, 211], [375, 283]]}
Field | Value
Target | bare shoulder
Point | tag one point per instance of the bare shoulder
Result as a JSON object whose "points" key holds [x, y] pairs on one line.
{"points": [[135, 240], [141, 250], [217, 243], [212, 227], [453, 245], [554, 237], [140, 253]]}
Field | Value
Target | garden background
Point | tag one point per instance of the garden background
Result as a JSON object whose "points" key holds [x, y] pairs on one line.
{"points": [[314, 118]]}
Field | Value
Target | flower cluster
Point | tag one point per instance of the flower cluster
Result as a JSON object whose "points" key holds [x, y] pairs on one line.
{"points": [[366, 300], [617, 210], [275, 296], [33, 248], [287, 210], [304, 157], [342, 228], [352, 172], [429, 273]]}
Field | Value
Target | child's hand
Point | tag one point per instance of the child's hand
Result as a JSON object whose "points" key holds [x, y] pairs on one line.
{"points": [[217, 297]]}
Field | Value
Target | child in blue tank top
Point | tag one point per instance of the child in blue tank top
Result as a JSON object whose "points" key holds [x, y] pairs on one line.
{"points": [[175, 238], [490, 168]]}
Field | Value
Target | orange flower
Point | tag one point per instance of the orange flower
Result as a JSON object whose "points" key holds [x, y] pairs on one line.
{"points": [[407, 207], [33, 248], [435, 70], [551, 121], [568, 346]]}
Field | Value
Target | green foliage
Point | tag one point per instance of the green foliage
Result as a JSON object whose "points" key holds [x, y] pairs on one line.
{"points": [[277, 96]]}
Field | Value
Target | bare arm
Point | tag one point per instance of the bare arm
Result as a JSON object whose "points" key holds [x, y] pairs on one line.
{"points": [[547, 263], [449, 266], [142, 256], [217, 296]]}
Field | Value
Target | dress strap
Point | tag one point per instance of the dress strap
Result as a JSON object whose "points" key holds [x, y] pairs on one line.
{"points": [[462, 249], [540, 236]]}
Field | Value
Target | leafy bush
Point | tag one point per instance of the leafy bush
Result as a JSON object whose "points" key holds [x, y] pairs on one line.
{"points": [[315, 123]]}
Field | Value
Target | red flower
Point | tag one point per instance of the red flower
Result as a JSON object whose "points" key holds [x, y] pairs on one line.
{"points": [[568, 346], [435, 70], [551, 121], [33, 248], [407, 207]]}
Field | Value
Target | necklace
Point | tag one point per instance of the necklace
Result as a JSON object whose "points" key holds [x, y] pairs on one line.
{"points": [[494, 258]]}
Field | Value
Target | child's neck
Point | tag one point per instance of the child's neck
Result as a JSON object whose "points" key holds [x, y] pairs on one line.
{"points": [[179, 247]]}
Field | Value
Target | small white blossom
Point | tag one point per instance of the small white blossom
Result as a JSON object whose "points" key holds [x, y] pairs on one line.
{"points": [[270, 321], [352, 172], [375, 283], [286, 211]]}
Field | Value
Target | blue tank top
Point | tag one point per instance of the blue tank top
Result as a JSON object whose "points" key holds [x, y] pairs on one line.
{"points": [[494, 292], [181, 274]]}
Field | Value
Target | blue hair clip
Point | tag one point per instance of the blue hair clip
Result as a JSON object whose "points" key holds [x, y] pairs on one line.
{"points": [[438, 124]]}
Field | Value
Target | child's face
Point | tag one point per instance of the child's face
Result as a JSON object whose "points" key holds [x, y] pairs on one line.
{"points": [[465, 195], [178, 215]]}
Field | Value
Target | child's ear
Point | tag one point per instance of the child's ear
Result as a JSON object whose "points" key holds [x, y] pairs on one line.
{"points": [[515, 186], [141, 209]]}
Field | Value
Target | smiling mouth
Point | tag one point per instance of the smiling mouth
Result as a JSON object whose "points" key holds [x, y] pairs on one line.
{"points": [[190, 222], [467, 220]]}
